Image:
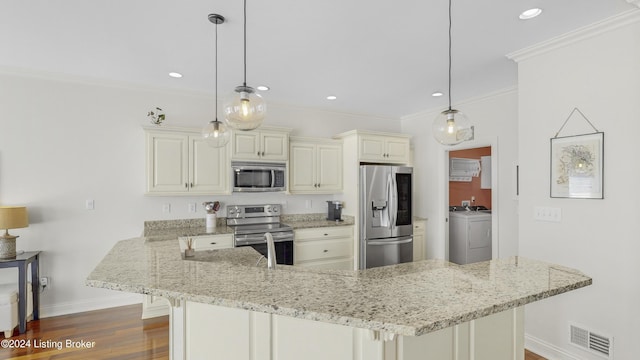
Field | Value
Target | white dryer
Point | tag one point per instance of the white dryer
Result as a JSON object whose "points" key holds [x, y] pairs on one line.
{"points": [[469, 236]]}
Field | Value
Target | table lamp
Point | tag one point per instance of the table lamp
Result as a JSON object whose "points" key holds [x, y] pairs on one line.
{"points": [[11, 217]]}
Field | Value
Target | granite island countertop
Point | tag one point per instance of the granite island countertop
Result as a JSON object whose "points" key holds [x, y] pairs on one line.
{"points": [[406, 299]]}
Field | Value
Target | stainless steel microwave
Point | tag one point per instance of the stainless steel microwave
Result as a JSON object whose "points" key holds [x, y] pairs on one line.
{"points": [[258, 177]]}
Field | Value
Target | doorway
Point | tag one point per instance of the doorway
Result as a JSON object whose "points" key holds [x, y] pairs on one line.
{"points": [[475, 189]]}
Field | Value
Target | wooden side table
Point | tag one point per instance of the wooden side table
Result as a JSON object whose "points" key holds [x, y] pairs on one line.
{"points": [[22, 261]]}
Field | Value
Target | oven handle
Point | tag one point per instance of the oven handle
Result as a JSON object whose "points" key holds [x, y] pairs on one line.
{"points": [[250, 240]]}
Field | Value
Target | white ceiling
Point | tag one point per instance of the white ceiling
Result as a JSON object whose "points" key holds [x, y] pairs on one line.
{"points": [[379, 57]]}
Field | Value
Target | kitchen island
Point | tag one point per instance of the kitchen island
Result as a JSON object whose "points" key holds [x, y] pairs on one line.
{"points": [[226, 305]]}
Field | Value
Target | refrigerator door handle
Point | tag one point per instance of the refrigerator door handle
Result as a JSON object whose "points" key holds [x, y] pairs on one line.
{"points": [[394, 194], [390, 199], [394, 242]]}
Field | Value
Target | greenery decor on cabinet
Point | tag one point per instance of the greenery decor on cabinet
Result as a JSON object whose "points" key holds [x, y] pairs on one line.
{"points": [[156, 117]]}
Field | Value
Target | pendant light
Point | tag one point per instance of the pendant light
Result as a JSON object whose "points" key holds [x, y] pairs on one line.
{"points": [[215, 132], [451, 126], [245, 109]]}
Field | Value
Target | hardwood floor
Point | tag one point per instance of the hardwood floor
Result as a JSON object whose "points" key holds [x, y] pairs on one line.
{"points": [[114, 334]]}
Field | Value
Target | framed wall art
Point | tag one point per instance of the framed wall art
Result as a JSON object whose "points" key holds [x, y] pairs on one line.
{"points": [[577, 164]]}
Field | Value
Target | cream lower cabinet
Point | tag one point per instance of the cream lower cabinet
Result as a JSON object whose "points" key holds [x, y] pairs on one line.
{"points": [[419, 239], [324, 248], [202, 331], [153, 306], [315, 166], [182, 163], [266, 145]]}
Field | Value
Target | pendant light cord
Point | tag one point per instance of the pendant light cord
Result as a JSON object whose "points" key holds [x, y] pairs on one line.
{"points": [[449, 55], [245, 43], [216, 72]]}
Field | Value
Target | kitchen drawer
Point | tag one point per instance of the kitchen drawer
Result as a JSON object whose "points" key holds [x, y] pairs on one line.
{"points": [[324, 233], [208, 242], [337, 264], [320, 250], [418, 226]]}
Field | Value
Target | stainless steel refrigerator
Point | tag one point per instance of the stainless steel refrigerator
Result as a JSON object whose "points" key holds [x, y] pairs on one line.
{"points": [[386, 228]]}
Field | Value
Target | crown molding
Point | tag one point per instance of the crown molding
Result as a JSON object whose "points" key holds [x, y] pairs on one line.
{"points": [[580, 34], [475, 99], [634, 2]]}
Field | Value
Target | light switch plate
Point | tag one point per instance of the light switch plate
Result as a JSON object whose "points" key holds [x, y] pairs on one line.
{"points": [[543, 213]]}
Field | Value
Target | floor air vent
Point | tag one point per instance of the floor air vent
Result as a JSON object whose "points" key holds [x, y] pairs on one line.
{"points": [[595, 343]]}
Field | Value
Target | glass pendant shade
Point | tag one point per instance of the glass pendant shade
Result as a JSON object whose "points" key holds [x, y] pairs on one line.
{"points": [[452, 127], [216, 134], [244, 109]]}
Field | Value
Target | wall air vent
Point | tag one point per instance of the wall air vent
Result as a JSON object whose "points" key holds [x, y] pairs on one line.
{"points": [[461, 169], [592, 342]]}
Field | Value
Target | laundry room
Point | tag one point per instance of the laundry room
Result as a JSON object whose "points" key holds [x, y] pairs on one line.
{"points": [[470, 218]]}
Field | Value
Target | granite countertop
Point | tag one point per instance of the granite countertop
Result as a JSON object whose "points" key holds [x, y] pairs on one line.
{"points": [[406, 299], [172, 229], [306, 221]]}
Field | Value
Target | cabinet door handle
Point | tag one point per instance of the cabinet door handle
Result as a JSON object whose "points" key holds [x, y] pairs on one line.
{"points": [[318, 184], [326, 234], [325, 250], [186, 185], [213, 243], [258, 153], [191, 185], [263, 153]]}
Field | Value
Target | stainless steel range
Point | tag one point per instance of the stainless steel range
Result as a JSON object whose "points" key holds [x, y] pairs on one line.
{"points": [[252, 222]]}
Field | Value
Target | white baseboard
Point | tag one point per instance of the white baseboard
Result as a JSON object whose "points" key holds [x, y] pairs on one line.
{"points": [[547, 350], [89, 305]]}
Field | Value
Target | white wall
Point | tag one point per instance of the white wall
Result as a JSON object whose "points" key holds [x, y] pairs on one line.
{"points": [[598, 71], [495, 119], [64, 140]]}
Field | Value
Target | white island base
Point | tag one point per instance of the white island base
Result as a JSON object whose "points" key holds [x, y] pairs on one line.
{"points": [[201, 331]]}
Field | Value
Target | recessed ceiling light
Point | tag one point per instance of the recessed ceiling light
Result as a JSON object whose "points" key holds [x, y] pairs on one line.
{"points": [[437, 93], [530, 14], [262, 88], [175, 75], [331, 97]]}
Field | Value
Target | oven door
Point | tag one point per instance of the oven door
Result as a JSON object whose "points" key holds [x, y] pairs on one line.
{"points": [[284, 251]]}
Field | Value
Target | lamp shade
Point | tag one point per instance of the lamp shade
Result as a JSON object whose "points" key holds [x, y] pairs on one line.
{"points": [[216, 134], [13, 217], [244, 109], [452, 127]]}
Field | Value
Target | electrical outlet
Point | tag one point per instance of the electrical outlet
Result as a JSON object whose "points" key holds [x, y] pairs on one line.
{"points": [[466, 203], [308, 204], [90, 204], [166, 208], [192, 207], [44, 281]]}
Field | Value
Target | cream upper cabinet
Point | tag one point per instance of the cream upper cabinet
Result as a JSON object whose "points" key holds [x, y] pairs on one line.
{"points": [[315, 166], [384, 149], [379, 147], [267, 145], [181, 162]]}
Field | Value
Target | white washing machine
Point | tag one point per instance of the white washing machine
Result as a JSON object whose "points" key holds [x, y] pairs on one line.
{"points": [[469, 236]]}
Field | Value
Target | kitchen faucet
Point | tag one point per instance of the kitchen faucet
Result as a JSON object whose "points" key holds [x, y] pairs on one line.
{"points": [[271, 251]]}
